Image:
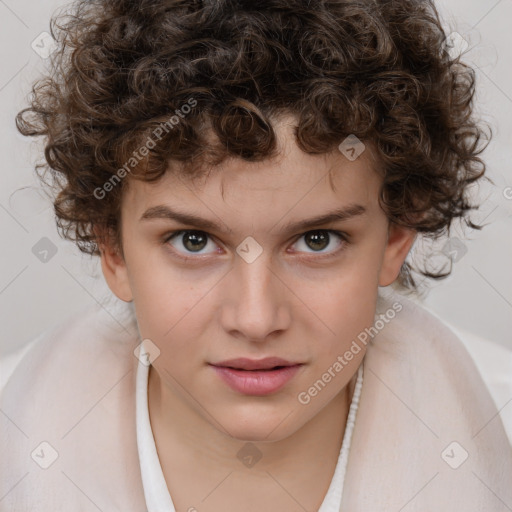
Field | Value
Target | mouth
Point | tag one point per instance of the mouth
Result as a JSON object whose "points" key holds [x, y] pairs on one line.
{"points": [[256, 377]]}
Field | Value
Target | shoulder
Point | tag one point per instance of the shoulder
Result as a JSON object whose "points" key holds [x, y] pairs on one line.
{"points": [[72, 362], [91, 344], [425, 415], [70, 404], [417, 353]]}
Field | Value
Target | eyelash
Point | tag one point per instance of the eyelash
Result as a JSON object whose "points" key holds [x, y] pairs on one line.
{"points": [[343, 236]]}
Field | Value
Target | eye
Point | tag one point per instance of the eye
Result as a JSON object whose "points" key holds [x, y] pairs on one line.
{"points": [[193, 241], [320, 239]]}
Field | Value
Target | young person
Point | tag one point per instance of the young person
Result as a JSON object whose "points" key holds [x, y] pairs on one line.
{"points": [[253, 177]]}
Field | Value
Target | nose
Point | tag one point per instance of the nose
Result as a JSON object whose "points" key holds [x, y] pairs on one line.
{"points": [[257, 303]]}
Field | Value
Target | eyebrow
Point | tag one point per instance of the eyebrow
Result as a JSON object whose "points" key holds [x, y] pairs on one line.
{"points": [[341, 214]]}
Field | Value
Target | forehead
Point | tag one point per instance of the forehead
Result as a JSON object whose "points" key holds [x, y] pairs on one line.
{"points": [[292, 180]]}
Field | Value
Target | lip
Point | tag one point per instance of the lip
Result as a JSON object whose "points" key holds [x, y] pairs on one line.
{"points": [[256, 377], [244, 363]]}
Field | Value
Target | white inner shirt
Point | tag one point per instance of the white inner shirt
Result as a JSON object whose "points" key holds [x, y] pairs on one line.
{"points": [[158, 498]]}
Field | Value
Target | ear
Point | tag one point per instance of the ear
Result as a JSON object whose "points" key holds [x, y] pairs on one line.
{"points": [[400, 241], [115, 271]]}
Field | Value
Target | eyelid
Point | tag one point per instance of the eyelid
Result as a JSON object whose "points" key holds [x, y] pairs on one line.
{"points": [[186, 256], [345, 239]]}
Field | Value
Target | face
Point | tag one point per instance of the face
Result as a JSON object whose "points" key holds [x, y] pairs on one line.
{"points": [[254, 281]]}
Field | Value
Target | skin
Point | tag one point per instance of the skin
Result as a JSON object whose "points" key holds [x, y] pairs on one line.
{"points": [[298, 301]]}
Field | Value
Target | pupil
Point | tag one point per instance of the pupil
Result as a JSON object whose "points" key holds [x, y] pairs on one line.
{"points": [[320, 239], [195, 239]]}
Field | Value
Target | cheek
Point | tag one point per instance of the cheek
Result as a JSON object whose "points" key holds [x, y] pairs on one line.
{"points": [[173, 318], [345, 303], [167, 305]]}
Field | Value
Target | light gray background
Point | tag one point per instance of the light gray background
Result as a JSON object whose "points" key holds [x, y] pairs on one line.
{"points": [[35, 296]]}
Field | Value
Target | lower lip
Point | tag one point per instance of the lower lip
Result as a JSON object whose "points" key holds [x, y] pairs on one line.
{"points": [[257, 382]]}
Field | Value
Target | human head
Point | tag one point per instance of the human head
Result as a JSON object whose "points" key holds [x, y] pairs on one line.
{"points": [[253, 286]]}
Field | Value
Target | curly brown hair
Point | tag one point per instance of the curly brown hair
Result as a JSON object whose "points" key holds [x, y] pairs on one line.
{"points": [[376, 69]]}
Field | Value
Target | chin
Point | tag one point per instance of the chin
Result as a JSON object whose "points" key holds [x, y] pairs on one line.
{"points": [[261, 426]]}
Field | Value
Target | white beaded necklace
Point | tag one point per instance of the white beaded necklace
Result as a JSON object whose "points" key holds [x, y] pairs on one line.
{"points": [[349, 430]]}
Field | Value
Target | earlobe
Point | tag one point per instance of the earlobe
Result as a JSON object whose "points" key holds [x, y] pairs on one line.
{"points": [[115, 272], [400, 241]]}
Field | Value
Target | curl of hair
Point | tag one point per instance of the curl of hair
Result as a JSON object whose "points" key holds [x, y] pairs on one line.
{"points": [[375, 69]]}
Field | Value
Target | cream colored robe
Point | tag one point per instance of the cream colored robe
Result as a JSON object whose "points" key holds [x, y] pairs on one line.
{"points": [[422, 393]]}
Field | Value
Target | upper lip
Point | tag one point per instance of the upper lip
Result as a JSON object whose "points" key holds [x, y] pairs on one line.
{"points": [[243, 363]]}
